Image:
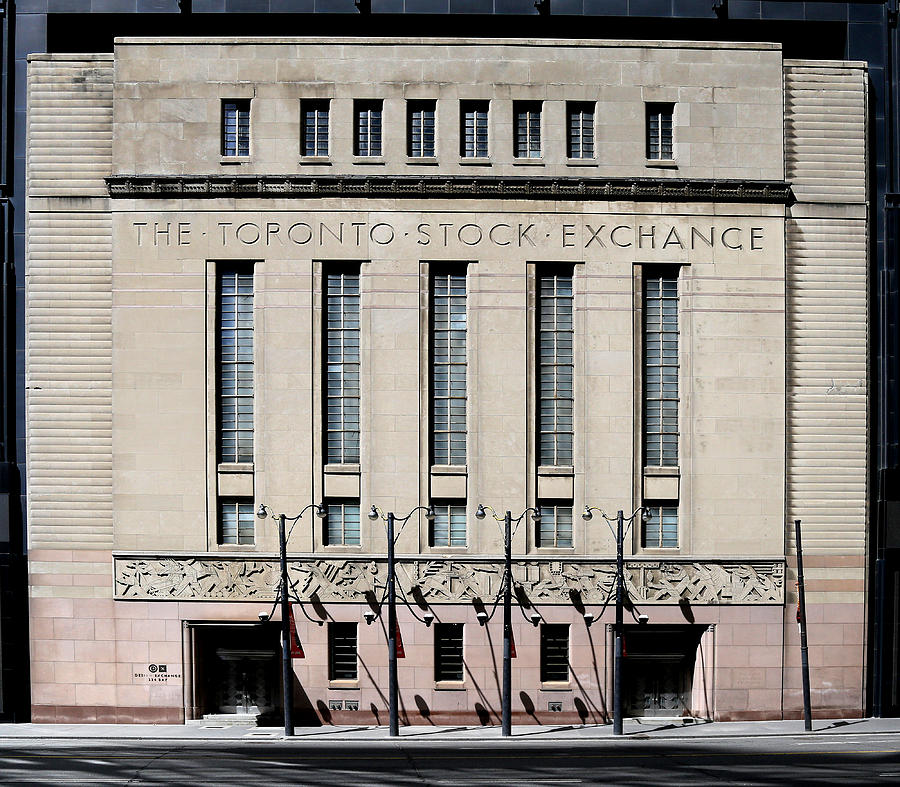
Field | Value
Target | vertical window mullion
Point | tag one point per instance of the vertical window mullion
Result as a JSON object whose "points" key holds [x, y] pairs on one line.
{"points": [[449, 368], [342, 368], [235, 349]]}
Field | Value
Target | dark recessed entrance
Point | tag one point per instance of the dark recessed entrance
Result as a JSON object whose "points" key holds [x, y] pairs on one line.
{"points": [[237, 670], [659, 669]]}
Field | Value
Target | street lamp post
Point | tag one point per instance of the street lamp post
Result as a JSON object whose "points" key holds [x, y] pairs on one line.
{"points": [[506, 688], [619, 629], [393, 691], [284, 599]]}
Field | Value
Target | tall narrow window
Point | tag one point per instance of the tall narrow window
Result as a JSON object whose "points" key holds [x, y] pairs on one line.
{"points": [[236, 127], [580, 129], [660, 368], [527, 129], [342, 653], [420, 129], [342, 523], [448, 652], [367, 134], [235, 365], [237, 521], [342, 367], [554, 653], [555, 527], [448, 382], [660, 140], [555, 369], [661, 531], [449, 526], [473, 134], [314, 127]]}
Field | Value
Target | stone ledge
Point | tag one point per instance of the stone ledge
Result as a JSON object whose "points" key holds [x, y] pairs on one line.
{"points": [[465, 187]]}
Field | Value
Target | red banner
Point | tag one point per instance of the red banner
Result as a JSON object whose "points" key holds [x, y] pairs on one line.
{"points": [[398, 643], [512, 644], [296, 647]]}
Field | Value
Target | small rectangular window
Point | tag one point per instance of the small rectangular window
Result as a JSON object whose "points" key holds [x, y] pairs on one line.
{"points": [[580, 129], [660, 307], [420, 138], [237, 521], [555, 527], [342, 654], [236, 127], [314, 127], [661, 531], [660, 139], [367, 133], [449, 526], [448, 651], [473, 132], [527, 129], [342, 523], [235, 384], [554, 653]]}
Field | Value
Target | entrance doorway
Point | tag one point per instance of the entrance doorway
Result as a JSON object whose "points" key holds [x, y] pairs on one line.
{"points": [[658, 669], [236, 670]]}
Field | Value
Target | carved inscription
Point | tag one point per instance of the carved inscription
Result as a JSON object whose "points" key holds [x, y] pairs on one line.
{"points": [[447, 581]]}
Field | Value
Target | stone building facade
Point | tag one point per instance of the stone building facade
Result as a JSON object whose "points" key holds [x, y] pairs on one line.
{"points": [[409, 272]]}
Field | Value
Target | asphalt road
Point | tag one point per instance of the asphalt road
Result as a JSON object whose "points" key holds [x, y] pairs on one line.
{"points": [[848, 759]]}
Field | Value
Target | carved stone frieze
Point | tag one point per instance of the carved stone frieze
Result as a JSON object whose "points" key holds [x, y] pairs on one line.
{"points": [[446, 580]]}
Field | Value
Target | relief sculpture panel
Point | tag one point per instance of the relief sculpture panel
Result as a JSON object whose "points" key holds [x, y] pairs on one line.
{"points": [[445, 581]]}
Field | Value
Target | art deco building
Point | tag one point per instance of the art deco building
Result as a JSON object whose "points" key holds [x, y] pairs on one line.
{"points": [[419, 272]]}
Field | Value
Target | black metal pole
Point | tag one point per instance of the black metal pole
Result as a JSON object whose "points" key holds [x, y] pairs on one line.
{"points": [[286, 667], [392, 632], [801, 619], [507, 628], [617, 654]]}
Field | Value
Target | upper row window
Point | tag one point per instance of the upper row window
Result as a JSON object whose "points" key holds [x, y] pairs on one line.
{"points": [[421, 131]]}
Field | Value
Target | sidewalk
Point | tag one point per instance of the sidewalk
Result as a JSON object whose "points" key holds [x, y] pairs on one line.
{"points": [[644, 729]]}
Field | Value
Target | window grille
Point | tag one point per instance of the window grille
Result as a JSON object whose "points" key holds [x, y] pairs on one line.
{"points": [[555, 527], [580, 129], [554, 652], [235, 365], [420, 129], [660, 134], [448, 651], [527, 129], [448, 349], [236, 128], [342, 524], [555, 370], [662, 529], [342, 367], [449, 526], [367, 136], [661, 368], [237, 521], [474, 131], [314, 128], [342, 662]]}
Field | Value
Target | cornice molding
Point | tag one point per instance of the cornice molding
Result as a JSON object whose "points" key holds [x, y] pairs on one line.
{"points": [[454, 187]]}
